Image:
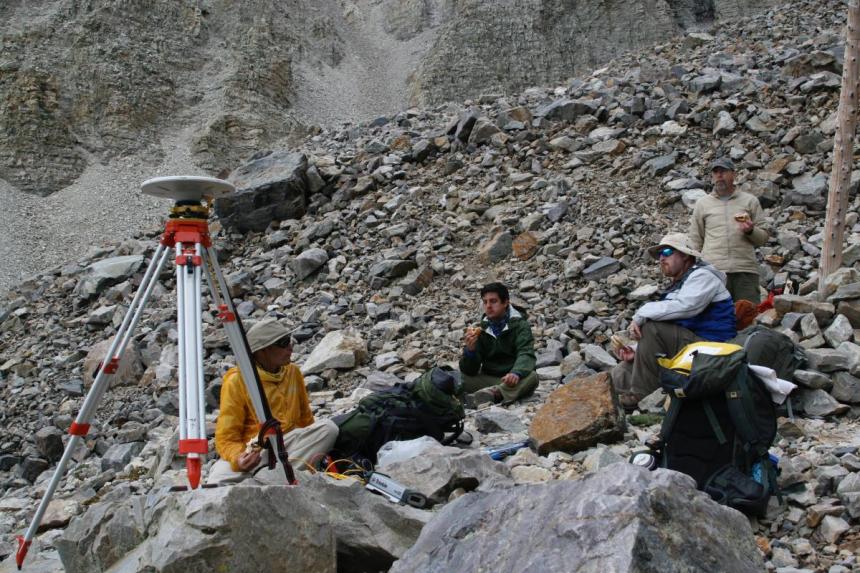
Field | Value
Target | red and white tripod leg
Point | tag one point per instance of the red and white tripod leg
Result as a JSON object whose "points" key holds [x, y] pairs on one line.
{"points": [[81, 426], [192, 422]]}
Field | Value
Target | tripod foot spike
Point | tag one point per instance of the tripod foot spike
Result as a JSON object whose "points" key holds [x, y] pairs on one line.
{"points": [[192, 466], [23, 547]]}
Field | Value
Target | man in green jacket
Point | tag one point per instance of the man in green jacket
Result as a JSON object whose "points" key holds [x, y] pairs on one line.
{"points": [[498, 362], [724, 228]]}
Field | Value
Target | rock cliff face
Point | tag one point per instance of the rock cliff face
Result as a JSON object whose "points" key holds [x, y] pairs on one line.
{"points": [[510, 45], [87, 81]]}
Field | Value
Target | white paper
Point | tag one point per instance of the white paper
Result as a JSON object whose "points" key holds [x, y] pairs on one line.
{"points": [[779, 389]]}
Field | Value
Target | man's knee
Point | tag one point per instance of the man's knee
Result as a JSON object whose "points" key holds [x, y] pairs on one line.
{"points": [[329, 430], [649, 329]]}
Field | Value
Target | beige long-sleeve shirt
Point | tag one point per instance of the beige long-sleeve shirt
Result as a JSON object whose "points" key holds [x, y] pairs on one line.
{"points": [[715, 233]]}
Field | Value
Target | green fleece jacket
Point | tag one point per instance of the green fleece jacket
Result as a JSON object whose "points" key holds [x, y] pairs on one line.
{"points": [[512, 351]]}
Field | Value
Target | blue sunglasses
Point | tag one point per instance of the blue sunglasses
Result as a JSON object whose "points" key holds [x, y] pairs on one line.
{"points": [[665, 252]]}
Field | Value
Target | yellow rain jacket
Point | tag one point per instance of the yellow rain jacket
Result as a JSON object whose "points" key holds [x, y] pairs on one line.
{"points": [[237, 423]]}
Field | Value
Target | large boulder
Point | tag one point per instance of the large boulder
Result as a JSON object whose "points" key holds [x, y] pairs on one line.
{"points": [[269, 188], [338, 349], [436, 470], [371, 531], [237, 529], [578, 415], [622, 519], [102, 274]]}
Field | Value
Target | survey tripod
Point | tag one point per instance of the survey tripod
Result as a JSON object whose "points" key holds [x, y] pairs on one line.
{"points": [[187, 235]]}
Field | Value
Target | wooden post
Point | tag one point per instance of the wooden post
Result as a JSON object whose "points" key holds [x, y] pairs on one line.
{"points": [[843, 151]]}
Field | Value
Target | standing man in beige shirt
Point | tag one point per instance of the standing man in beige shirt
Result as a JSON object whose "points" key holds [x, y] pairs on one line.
{"points": [[724, 228]]}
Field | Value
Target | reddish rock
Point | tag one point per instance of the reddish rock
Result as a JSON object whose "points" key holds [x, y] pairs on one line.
{"points": [[525, 246], [578, 415]]}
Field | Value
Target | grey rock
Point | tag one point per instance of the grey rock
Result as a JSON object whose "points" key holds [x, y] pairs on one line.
{"points": [[377, 381], [498, 248], [102, 274], [845, 292], [203, 530], [601, 457], [483, 130], [645, 292], [598, 358], [49, 442], [30, 468], [827, 360], [269, 188], [369, 529], [808, 142], [660, 165], [437, 470], [498, 420], [392, 268], [601, 269], [813, 380], [118, 455], [706, 83], [846, 388], [832, 528], [839, 331], [820, 403], [337, 349], [690, 196], [809, 189], [308, 262], [654, 514], [724, 124]]}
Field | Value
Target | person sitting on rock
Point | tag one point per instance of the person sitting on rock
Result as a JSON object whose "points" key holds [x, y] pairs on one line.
{"points": [[272, 347], [696, 306], [498, 361]]}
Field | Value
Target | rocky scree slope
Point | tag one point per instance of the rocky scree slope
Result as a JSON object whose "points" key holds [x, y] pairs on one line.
{"points": [[398, 221], [82, 82]]}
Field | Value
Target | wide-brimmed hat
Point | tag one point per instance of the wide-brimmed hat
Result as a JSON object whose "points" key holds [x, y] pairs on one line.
{"points": [[678, 241], [723, 163], [265, 333]]}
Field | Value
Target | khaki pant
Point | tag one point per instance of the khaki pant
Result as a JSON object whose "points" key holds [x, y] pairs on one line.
{"points": [[642, 376], [524, 388], [303, 445], [744, 286]]}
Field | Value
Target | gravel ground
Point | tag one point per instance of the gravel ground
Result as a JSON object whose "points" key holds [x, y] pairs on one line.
{"points": [[370, 81], [105, 205]]}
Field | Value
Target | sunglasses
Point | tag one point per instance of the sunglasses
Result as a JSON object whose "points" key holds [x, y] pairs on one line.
{"points": [[665, 252], [285, 342]]}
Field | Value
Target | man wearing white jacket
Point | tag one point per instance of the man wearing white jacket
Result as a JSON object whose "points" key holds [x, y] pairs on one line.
{"points": [[725, 227], [696, 306]]}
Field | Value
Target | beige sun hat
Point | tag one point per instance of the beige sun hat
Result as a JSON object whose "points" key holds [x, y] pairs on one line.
{"points": [[265, 333], [678, 241]]}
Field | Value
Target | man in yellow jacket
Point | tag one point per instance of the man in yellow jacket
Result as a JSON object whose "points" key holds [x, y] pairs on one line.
{"points": [[284, 386], [724, 227]]}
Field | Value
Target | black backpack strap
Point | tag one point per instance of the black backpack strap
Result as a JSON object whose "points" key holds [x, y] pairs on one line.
{"points": [[739, 400], [715, 424], [670, 418]]}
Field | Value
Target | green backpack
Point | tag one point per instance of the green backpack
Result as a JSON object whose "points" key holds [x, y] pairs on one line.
{"points": [[719, 425], [425, 407]]}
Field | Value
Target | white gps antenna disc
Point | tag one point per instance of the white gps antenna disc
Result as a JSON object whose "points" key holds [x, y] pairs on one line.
{"points": [[186, 188]]}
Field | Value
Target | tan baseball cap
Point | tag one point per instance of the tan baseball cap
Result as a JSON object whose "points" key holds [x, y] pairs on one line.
{"points": [[678, 241], [265, 333]]}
